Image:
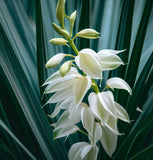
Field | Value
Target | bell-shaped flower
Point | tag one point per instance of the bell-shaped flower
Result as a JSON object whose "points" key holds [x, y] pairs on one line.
{"points": [[83, 151], [108, 59], [87, 61], [118, 83], [93, 63], [107, 110], [72, 84]]}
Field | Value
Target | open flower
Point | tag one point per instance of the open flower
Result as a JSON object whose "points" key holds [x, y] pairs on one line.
{"points": [[93, 63], [108, 112], [72, 84]]}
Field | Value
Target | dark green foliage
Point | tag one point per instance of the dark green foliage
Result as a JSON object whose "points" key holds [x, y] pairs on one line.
{"points": [[25, 132]]}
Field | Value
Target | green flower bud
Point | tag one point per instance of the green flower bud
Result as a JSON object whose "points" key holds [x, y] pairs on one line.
{"points": [[72, 21], [65, 68], [88, 33], [60, 11], [58, 41], [61, 31], [55, 60]]}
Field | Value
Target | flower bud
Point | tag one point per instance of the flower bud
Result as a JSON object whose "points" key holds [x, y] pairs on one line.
{"points": [[55, 60], [65, 68], [58, 41], [60, 11], [72, 21], [61, 31], [88, 33]]}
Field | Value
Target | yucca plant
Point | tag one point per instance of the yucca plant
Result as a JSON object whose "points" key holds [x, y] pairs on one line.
{"points": [[25, 31]]}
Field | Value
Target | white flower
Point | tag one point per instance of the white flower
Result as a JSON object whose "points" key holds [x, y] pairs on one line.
{"points": [[107, 110], [118, 83], [87, 61], [93, 63], [72, 84]]}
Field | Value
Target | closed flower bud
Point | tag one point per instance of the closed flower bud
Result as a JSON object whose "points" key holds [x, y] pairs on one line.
{"points": [[88, 33], [65, 68], [60, 11], [55, 60], [72, 21], [61, 31], [58, 41]]}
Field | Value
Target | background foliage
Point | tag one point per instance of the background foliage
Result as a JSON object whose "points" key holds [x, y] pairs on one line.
{"points": [[25, 31]]}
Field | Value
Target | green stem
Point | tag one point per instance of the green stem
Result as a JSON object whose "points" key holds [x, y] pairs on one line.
{"points": [[94, 86], [66, 16], [83, 132], [74, 37], [73, 46]]}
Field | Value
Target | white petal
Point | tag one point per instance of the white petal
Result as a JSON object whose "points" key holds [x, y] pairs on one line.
{"points": [[97, 108], [97, 133], [66, 104], [119, 84], [85, 151], [112, 125], [61, 95], [92, 154], [81, 86], [109, 141], [62, 132], [109, 61], [56, 77], [121, 113], [66, 120], [86, 60], [107, 101], [87, 118], [76, 150], [75, 114], [58, 86], [107, 51]]}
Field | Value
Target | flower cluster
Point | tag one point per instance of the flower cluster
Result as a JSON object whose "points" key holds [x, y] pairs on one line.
{"points": [[100, 116]]}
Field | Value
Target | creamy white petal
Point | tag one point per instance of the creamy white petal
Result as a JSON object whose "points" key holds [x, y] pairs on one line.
{"points": [[88, 120], [65, 104], [85, 151], [87, 61], [62, 132], [76, 150], [109, 61], [97, 133], [107, 101], [58, 86], [109, 141], [56, 77], [65, 120], [92, 154], [107, 51], [97, 108], [61, 95], [118, 83], [121, 113], [112, 125], [80, 87]]}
